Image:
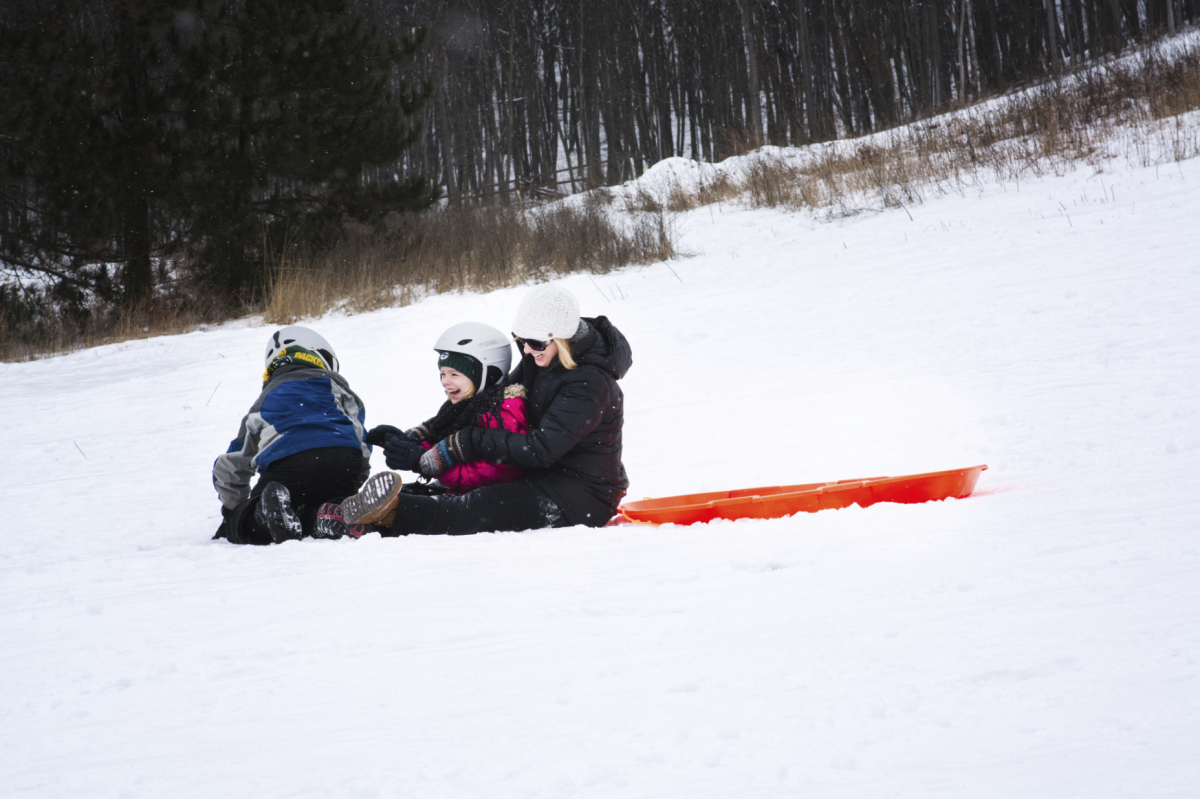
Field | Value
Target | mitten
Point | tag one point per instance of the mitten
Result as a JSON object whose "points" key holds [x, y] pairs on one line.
{"points": [[377, 436], [402, 453], [466, 444], [449, 452]]}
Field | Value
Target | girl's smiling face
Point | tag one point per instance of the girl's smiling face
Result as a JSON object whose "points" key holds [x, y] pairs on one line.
{"points": [[457, 385], [546, 356]]}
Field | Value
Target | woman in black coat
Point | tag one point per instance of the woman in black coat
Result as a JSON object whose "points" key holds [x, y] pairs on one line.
{"points": [[571, 455]]}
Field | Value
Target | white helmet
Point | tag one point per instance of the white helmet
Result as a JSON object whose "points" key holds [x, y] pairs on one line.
{"points": [[301, 337], [487, 345]]}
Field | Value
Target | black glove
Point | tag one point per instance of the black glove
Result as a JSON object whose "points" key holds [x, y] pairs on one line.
{"points": [[377, 436], [401, 452]]}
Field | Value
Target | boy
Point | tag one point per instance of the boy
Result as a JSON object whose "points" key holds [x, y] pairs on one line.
{"points": [[304, 437]]}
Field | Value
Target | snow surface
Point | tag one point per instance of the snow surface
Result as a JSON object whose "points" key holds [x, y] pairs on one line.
{"points": [[1036, 640]]}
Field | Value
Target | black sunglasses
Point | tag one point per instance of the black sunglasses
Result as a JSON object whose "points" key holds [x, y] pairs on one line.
{"points": [[534, 344]]}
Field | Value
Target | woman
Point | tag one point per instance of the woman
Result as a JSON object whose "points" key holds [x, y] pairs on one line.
{"points": [[571, 455]]}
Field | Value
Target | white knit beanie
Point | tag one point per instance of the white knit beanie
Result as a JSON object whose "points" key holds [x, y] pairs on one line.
{"points": [[547, 312]]}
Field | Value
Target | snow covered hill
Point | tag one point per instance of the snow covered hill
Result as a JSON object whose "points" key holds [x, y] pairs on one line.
{"points": [[1037, 640]]}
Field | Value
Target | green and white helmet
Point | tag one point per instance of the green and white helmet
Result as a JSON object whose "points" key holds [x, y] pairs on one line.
{"points": [[296, 336]]}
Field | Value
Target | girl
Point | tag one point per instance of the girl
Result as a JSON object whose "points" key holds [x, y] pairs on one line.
{"points": [[473, 362]]}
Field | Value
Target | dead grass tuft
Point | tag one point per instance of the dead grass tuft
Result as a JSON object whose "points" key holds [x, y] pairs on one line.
{"points": [[466, 248], [457, 248], [34, 326]]}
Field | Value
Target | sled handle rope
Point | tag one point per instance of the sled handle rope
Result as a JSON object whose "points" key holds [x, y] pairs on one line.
{"points": [[632, 520]]}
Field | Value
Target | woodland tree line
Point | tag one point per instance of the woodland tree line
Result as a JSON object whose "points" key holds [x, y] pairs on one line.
{"points": [[142, 140], [576, 93]]}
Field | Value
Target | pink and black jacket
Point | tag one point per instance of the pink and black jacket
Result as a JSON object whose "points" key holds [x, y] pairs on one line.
{"points": [[508, 414]]}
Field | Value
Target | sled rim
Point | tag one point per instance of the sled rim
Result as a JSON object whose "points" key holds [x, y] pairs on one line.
{"points": [[773, 502]]}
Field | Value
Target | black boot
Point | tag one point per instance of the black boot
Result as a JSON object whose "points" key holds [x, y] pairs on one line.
{"points": [[276, 514]]}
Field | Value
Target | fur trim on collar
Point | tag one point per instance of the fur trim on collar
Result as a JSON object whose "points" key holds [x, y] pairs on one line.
{"points": [[515, 390]]}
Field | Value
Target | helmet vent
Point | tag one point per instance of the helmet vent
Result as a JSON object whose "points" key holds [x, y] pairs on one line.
{"points": [[465, 341]]}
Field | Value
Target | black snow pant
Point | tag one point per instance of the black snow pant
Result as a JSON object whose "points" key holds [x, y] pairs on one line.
{"points": [[490, 509], [312, 477]]}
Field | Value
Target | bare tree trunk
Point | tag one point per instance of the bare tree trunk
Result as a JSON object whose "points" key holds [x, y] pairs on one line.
{"points": [[815, 98], [1069, 29], [1052, 38], [137, 275], [444, 129], [1118, 26], [962, 64], [508, 89], [755, 109]]}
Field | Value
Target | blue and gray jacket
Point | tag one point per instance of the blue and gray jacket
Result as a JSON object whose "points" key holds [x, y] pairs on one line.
{"points": [[300, 407]]}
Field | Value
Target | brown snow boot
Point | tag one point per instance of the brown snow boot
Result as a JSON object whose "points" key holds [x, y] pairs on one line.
{"points": [[375, 503]]}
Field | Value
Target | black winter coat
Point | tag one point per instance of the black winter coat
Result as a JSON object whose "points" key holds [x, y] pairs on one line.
{"points": [[573, 449]]}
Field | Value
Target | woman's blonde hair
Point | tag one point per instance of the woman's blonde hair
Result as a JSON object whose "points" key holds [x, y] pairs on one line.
{"points": [[564, 353]]}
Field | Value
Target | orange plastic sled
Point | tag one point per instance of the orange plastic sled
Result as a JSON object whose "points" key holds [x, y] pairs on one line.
{"points": [[772, 502]]}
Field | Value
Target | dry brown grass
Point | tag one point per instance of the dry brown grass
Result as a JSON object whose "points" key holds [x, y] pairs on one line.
{"points": [[720, 188], [1129, 110], [46, 332], [465, 248], [457, 248]]}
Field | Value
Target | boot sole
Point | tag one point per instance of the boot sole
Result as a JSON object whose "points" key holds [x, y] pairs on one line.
{"points": [[376, 499], [282, 522]]}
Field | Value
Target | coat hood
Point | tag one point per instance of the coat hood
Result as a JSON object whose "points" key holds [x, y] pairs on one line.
{"points": [[605, 347]]}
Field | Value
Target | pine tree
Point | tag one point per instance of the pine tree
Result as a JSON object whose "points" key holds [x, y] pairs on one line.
{"points": [[89, 140], [132, 131], [300, 107]]}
